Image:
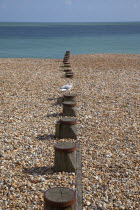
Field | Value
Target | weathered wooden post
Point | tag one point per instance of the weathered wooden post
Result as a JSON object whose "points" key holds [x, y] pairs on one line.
{"points": [[60, 198], [66, 128], [67, 70], [69, 74], [66, 62], [69, 97], [69, 108], [67, 66], [66, 97], [66, 56], [65, 157], [65, 59], [67, 52]]}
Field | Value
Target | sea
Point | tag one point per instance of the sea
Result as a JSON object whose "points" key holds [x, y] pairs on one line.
{"points": [[51, 40]]}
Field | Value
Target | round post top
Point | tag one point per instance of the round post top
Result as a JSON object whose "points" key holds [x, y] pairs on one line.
{"points": [[69, 103], [59, 197], [68, 120], [69, 95], [69, 74], [65, 147]]}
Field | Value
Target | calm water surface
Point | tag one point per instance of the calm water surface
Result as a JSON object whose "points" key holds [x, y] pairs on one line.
{"points": [[51, 40]]}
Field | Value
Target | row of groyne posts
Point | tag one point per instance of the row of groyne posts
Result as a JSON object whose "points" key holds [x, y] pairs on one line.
{"points": [[67, 153]]}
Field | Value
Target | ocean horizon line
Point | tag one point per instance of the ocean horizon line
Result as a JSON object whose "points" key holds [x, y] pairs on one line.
{"points": [[69, 21], [3, 23]]}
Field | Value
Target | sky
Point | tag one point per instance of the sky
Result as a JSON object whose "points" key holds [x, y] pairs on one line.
{"points": [[69, 10]]}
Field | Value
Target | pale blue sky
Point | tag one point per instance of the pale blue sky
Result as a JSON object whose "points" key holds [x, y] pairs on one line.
{"points": [[69, 10]]}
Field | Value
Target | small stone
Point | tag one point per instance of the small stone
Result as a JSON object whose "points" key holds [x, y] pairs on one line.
{"points": [[42, 179], [121, 207], [88, 203]]}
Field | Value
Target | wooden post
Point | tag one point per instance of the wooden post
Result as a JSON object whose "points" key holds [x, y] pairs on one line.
{"points": [[66, 62], [65, 157], [69, 108], [66, 97], [67, 52], [66, 128], [69, 97], [67, 65], [69, 74], [66, 56], [59, 198], [67, 70]]}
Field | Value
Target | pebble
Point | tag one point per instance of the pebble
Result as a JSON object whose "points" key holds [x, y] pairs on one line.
{"points": [[88, 203]]}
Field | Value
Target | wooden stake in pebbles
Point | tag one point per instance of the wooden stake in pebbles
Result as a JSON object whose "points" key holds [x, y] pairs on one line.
{"points": [[66, 128], [67, 52], [67, 70], [67, 65], [69, 108], [58, 198], [66, 97], [69, 74], [69, 97], [65, 157], [66, 57], [65, 60]]}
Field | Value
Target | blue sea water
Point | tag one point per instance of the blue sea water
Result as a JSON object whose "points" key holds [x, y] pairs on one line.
{"points": [[51, 40]]}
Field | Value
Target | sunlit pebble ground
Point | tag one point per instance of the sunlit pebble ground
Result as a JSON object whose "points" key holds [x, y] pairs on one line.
{"points": [[108, 130]]}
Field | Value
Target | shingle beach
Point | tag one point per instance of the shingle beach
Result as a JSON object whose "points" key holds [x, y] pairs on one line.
{"points": [[108, 114]]}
